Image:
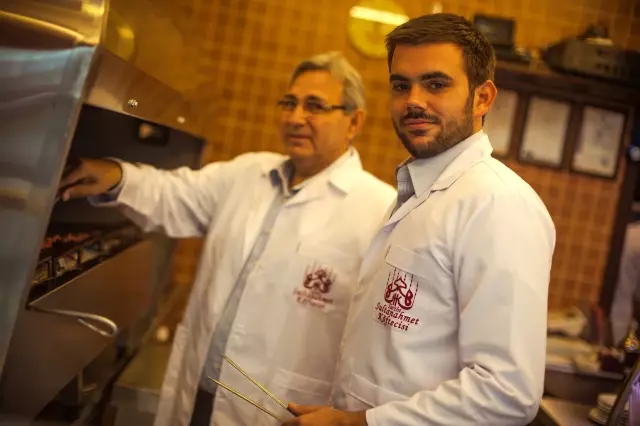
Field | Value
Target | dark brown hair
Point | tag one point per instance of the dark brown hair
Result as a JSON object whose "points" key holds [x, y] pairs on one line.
{"points": [[478, 54]]}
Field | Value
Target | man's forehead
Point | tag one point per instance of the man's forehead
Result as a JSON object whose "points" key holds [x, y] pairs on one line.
{"points": [[317, 83], [414, 60]]}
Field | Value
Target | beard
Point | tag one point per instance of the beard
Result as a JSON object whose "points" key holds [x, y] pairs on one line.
{"points": [[449, 134]]}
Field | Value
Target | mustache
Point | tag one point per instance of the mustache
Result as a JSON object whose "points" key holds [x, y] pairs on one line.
{"points": [[296, 131], [418, 114]]}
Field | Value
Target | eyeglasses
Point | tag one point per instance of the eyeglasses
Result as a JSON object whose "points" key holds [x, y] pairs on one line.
{"points": [[309, 105]]}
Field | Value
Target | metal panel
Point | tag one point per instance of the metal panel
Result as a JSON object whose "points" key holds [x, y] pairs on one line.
{"points": [[52, 349], [121, 88], [46, 53], [51, 60]]}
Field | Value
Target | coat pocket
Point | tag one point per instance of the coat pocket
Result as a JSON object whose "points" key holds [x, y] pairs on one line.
{"points": [[288, 387], [300, 389], [409, 261], [424, 279], [364, 395], [324, 278]]}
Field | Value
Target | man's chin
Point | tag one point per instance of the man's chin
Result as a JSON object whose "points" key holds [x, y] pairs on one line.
{"points": [[421, 141], [418, 145], [298, 151]]}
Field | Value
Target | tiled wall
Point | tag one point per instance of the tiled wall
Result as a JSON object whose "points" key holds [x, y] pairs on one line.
{"points": [[583, 210], [232, 58]]}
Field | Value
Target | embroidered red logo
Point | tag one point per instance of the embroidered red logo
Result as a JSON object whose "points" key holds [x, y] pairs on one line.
{"points": [[317, 283], [400, 295], [319, 279]]}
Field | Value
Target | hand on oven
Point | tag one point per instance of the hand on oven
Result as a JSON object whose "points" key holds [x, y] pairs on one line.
{"points": [[90, 177], [320, 415]]}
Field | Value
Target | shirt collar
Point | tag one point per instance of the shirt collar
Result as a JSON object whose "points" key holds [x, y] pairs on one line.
{"points": [[280, 176], [425, 171], [339, 173]]}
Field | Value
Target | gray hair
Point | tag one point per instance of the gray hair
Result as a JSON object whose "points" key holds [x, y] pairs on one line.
{"points": [[353, 96]]}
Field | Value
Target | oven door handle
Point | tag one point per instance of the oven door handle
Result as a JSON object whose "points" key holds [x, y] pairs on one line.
{"points": [[108, 328]]}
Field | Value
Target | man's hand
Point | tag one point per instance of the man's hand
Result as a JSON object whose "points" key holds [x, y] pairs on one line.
{"points": [[321, 415], [91, 177]]}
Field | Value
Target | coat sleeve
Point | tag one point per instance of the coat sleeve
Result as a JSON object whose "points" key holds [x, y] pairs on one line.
{"points": [[502, 260], [181, 202]]}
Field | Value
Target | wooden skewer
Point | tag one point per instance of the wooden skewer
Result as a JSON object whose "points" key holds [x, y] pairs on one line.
{"points": [[262, 388], [238, 394]]}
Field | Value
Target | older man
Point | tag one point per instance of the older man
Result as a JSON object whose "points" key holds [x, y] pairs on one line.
{"points": [[284, 240]]}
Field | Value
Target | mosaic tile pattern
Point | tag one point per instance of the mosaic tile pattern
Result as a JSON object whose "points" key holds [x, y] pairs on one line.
{"points": [[232, 58]]}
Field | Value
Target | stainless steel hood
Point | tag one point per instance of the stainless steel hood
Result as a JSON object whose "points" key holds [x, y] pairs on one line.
{"points": [[48, 50], [53, 63]]}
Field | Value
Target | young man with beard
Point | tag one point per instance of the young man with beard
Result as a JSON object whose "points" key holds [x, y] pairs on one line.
{"points": [[448, 322]]}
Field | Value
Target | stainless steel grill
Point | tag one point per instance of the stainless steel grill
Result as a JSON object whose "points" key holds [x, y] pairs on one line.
{"points": [[80, 284]]}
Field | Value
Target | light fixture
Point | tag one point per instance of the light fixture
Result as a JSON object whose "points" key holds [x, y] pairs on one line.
{"points": [[369, 23], [375, 15]]}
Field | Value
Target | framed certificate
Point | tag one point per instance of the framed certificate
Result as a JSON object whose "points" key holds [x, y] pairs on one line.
{"points": [[598, 147], [499, 121], [545, 131]]}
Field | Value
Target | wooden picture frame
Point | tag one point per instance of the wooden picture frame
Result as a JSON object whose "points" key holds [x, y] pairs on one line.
{"points": [[545, 131], [501, 120], [600, 138]]}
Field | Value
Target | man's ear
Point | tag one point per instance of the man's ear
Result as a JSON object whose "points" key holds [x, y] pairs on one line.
{"points": [[484, 96], [357, 119]]}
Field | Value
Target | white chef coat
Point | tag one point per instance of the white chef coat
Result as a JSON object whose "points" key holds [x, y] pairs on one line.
{"points": [[213, 363], [628, 286], [284, 335], [448, 322]]}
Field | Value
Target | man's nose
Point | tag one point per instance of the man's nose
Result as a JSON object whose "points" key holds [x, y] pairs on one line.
{"points": [[298, 116], [417, 97]]}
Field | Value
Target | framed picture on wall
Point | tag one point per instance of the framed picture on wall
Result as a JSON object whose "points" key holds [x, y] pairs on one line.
{"points": [[500, 120], [545, 132], [598, 147]]}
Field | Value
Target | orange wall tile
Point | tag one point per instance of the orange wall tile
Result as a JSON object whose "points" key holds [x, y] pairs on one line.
{"points": [[232, 59]]}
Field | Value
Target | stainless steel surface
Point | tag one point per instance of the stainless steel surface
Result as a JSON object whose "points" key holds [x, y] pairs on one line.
{"points": [[85, 319], [578, 388], [78, 22], [122, 88], [46, 53], [556, 412], [53, 64], [51, 349]]}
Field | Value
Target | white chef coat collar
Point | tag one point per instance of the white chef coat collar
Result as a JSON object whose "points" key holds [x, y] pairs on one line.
{"points": [[280, 176], [345, 170], [425, 172], [339, 173]]}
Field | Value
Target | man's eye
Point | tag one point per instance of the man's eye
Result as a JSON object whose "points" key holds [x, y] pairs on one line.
{"points": [[288, 104], [437, 85], [313, 106], [400, 87]]}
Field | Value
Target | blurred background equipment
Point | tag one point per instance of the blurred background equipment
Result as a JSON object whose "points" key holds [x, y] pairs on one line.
{"points": [[501, 33], [593, 54]]}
